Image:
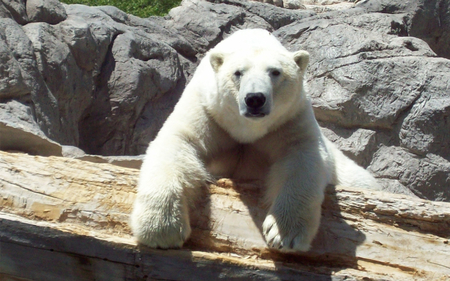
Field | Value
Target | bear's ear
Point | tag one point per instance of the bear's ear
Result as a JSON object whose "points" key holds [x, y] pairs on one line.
{"points": [[216, 60], [301, 58]]}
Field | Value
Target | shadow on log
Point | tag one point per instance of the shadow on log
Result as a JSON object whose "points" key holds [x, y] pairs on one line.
{"points": [[66, 219]]}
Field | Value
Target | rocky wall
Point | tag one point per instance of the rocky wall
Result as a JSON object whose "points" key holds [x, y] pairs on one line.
{"points": [[104, 81]]}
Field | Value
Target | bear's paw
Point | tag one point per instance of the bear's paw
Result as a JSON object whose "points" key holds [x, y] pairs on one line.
{"points": [[159, 227], [293, 239]]}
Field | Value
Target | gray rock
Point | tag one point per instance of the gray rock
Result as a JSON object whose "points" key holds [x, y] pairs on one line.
{"points": [[431, 22], [358, 144], [426, 128], [389, 7], [12, 83], [205, 33], [76, 33], [293, 4], [427, 176], [142, 74], [103, 82], [132, 162], [350, 66], [153, 27], [14, 9], [20, 132], [275, 16], [43, 102], [71, 151], [372, 88], [49, 11], [394, 186], [139, 70], [70, 85], [425, 19]]}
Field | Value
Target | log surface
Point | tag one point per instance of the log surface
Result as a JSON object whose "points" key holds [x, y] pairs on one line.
{"points": [[66, 219]]}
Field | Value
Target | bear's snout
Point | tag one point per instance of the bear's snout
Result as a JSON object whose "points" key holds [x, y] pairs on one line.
{"points": [[255, 105], [255, 100]]}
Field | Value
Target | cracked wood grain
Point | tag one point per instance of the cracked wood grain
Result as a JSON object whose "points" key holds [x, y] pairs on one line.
{"points": [[72, 216]]}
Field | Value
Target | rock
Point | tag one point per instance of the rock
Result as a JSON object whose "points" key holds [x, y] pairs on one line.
{"points": [[144, 86], [49, 11], [56, 63], [95, 49], [347, 73], [139, 70], [293, 4], [132, 162], [205, 33], [14, 9], [103, 81], [431, 22], [71, 151], [76, 33], [319, 6], [154, 28], [12, 83], [323, 6], [275, 16], [358, 144], [427, 176], [427, 20], [19, 131], [278, 3], [43, 103], [360, 81], [430, 113]]}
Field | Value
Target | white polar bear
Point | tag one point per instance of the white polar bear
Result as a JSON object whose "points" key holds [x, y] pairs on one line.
{"points": [[245, 114]]}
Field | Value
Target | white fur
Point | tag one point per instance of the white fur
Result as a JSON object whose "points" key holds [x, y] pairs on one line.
{"points": [[207, 135]]}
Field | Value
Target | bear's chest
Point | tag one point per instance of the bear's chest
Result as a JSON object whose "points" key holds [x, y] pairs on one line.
{"points": [[243, 161]]}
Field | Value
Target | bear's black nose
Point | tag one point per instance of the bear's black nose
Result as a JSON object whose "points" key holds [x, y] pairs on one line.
{"points": [[255, 100]]}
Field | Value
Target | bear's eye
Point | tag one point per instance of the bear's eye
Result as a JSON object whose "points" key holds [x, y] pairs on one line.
{"points": [[276, 73], [238, 73]]}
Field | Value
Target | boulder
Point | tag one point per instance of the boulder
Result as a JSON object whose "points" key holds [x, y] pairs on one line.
{"points": [[104, 81], [20, 132], [293, 4], [20, 50], [420, 130], [12, 82], [426, 176], [428, 20], [14, 9], [375, 86], [49, 11], [70, 85]]}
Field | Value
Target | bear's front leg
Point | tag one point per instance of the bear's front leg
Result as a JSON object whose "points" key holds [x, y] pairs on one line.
{"points": [[170, 176], [296, 187]]}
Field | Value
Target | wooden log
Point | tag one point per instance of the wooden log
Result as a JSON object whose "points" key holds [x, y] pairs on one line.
{"points": [[66, 219]]}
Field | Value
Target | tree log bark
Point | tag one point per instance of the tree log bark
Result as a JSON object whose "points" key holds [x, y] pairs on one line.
{"points": [[66, 219]]}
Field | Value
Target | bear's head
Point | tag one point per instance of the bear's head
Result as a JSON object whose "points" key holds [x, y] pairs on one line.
{"points": [[263, 84]]}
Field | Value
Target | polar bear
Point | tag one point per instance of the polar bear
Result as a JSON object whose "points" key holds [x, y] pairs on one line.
{"points": [[245, 114]]}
